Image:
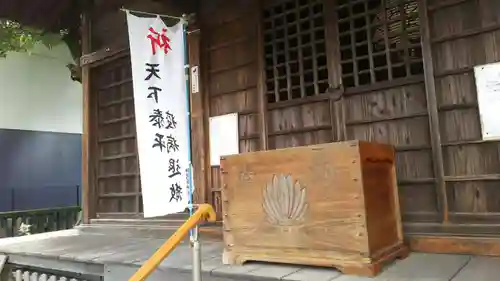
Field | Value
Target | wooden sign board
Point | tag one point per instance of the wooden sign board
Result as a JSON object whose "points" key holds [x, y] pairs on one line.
{"points": [[488, 98], [224, 137]]}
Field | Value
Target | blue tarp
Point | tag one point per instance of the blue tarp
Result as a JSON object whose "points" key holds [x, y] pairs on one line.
{"points": [[20, 199]]}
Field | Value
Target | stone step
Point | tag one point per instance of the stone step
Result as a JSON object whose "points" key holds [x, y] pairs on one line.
{"points": [[145, 229], [139, 222], [170, 221], [175, 219]]}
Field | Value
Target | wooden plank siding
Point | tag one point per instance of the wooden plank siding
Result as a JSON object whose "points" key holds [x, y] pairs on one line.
{"points": [[229, 50], [465, 34], [398, 116], [303, 72], [394, 113], [446, 173]]}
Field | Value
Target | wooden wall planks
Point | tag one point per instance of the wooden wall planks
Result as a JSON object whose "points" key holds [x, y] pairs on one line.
{"points": [[462, 33]]}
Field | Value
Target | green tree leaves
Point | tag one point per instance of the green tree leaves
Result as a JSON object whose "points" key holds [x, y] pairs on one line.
{"points": [[17, 38]]}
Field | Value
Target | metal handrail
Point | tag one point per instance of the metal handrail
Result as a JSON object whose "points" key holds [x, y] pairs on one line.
{"points": [[204, 212]]}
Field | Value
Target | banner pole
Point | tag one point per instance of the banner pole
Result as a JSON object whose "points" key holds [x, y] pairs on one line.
{"points": [[194, 237], [188, 99]]}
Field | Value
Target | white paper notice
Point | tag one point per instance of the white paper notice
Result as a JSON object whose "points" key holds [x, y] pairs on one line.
{"points": [[488, 97], [195, 79], [224, 137], [157, 54]]}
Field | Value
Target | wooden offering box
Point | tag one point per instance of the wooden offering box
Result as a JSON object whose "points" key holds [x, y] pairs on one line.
{"points": [[333, 205]]}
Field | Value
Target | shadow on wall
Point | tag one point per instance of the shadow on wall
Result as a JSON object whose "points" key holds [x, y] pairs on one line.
{"points": [[39, 169]]}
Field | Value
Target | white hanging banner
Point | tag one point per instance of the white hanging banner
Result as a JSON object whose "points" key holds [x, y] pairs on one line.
{"points": [[161, 113]]}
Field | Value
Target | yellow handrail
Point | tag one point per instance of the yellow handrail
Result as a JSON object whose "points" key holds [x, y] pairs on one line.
{"points": [[204, 212]]}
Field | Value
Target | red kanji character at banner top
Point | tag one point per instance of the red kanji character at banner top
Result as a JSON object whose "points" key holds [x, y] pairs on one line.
{"points": [[159, 40]]}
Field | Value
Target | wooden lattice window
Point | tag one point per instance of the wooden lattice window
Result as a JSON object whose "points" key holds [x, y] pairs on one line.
{"points": [[295, 50], [379, 40]]}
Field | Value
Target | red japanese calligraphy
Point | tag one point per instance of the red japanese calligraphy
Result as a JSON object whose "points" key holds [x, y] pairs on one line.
{"points": [[159, 40]]}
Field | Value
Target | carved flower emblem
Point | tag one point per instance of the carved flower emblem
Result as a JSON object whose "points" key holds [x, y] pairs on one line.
{"points": [[284, 202]]}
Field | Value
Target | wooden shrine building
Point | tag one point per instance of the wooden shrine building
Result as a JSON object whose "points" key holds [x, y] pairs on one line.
{"points": [[302, 72]]}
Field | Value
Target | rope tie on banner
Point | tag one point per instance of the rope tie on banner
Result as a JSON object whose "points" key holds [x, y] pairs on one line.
{"points": [[193, 31], [184, 17]]}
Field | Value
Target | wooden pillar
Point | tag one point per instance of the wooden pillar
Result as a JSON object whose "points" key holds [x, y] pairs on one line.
{"points": [[87, 195], [205, 97], [261, 82], [336, 90], [432, 109], [199, 131]]}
